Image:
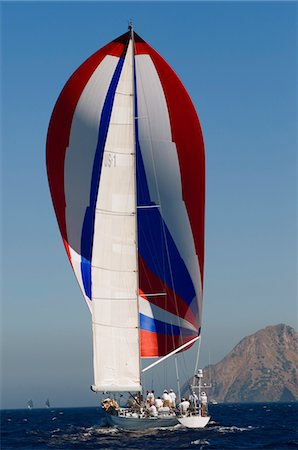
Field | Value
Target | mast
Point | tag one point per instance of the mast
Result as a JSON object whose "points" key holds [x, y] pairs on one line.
{"points": [[130, 29]]}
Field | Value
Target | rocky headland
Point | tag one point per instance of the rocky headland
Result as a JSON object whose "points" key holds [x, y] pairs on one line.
{"points": [[263, 367]]}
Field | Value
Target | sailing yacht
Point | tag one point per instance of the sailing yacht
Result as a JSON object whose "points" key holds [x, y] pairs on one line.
{"points": [[30, 404], [126, 170]]}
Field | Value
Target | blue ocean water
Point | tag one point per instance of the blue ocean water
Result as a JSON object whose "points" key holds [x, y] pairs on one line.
{"points": [[233, 426]]}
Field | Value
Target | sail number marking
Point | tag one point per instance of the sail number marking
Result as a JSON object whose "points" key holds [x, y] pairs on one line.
{"points": [[110, 160]]}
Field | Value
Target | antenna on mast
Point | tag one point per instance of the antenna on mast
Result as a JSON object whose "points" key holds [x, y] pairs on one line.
{"points": [[130, 26]]}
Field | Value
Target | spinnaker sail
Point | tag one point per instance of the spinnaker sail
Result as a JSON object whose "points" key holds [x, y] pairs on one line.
{"points": [[126, 169]]}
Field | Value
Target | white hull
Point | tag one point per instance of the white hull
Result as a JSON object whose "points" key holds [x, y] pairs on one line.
{"points": [[141, 423], [194, 421]]}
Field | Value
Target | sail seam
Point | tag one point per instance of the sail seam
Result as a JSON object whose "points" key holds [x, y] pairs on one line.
{"points": [[124, 93], [113, 270], [116, 298], [117, 152], [121, 123], [113, 326], [114, 213]]}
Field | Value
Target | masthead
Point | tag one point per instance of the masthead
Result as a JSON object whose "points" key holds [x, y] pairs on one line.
{"points": [[130, 26]]}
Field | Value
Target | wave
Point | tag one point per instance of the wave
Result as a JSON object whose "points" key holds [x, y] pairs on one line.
{"points": [[200, 442], [232, 429]]}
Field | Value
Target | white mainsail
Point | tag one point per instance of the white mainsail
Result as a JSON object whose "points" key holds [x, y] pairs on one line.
{"points": [[114, 259]]}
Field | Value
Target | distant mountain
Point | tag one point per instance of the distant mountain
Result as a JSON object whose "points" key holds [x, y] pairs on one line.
{"points": [[263, 367]]}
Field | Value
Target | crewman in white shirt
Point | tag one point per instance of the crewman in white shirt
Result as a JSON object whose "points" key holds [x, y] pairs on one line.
{"points": [[203, 399], [184, 406], [166, 399], [150, 398], [158, 403], [152, 411], [173, 398]]}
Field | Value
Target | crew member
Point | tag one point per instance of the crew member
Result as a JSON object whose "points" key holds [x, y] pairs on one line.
{"points": [[193, 398], [152, 411], [150, 398], [173, 398], [203, 399], [184, 406], [166, 399], [158, 403]]}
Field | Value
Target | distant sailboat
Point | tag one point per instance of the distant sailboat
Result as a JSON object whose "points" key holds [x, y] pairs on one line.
{"points": [[47, 403], [30, 404], [126, 169]]}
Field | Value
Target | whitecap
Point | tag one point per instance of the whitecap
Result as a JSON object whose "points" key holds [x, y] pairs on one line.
{"points": [[200, 442], [172, 428], [156, 430], [232, 429], [106, 430]]}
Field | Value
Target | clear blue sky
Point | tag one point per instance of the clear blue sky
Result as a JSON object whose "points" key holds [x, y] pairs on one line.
{"points": [[239, 63]]}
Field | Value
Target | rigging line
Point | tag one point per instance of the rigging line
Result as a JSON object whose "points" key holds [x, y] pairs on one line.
{"points": [[178, 380], [148, 206], [144, 271], [158, 194], [209, 369], [113, 326], [184, 365], [95, 353], [133, 72], [198, 355], [159, 198], [136, 118], [157, 294], [149, 238]]}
